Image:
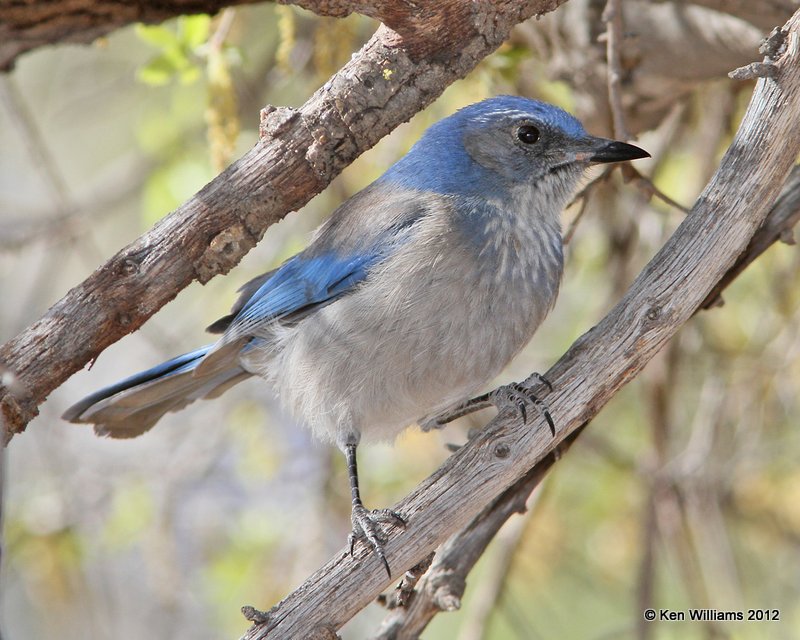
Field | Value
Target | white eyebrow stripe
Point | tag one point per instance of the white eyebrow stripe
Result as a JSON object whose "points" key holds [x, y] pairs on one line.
{"points": [[503, 112]]}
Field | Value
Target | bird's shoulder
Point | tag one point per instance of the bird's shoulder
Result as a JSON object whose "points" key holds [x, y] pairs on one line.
{"points": [[368, 227], [377, 218]]}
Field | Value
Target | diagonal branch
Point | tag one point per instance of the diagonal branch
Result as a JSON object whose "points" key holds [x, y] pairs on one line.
{"points": [[447, 578], [300, 152], [777, 227], [665, 295], [443, 585]]}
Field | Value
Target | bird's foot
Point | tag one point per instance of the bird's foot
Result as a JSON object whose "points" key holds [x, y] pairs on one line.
{"points": [[520, 397], [517, 394], [367, 526]]}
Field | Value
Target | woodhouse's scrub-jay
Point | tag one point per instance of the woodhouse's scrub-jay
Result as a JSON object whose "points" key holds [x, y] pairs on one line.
{"points": [[413, 295]]}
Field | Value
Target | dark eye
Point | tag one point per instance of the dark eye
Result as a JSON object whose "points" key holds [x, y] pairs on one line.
{"points": [[528, 134]]}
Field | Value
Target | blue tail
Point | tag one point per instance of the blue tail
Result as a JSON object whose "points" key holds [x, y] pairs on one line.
{"points": [[133, 405]]}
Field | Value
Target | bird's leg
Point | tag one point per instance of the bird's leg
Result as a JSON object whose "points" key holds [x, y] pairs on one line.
{"points": [[366, 523], [517, 395]]}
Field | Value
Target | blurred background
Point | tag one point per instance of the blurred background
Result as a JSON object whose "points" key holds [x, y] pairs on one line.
{"points": [[684, 492]]}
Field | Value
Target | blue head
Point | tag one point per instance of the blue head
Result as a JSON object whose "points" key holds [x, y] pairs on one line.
{"points": [[500, 144]]}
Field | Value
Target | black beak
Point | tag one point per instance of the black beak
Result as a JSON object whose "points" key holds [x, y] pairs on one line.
{"points": [[614, 151]]}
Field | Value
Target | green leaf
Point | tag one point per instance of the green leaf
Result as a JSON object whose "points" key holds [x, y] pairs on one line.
{"points": [[194, 30], [156, 35], [189, 74], [158, 72]]}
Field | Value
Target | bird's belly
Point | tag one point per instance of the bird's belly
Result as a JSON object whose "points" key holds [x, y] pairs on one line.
{"points": [[378, 360]]}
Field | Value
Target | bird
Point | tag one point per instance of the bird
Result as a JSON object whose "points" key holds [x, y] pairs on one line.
{"points": [[409, 299]]}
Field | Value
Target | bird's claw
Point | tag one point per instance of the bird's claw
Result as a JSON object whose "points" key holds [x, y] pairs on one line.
{"points": [[538, 378], [367, 527], [518, 396]]}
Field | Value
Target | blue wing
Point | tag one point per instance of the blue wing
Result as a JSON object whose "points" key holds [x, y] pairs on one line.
{"points": [[299, 285], [361, 233], [364, 231]]}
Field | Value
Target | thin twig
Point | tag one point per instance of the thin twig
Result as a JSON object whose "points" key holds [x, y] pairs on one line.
{"points": [[660, 381], [491, 587], [573, 225], [401, 596], [612, 16], [583, 196], [43, 160], [646, 185], [217, 39]]}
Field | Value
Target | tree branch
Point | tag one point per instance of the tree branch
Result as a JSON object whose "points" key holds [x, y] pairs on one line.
{"points": [[25, 26], [777, 227], [458, 555], [300, 152], [665, 295], [765, 14], [30, 25], [443, 585]]}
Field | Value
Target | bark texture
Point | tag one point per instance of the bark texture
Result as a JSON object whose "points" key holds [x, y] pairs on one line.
{"points": [[25, 26]]}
